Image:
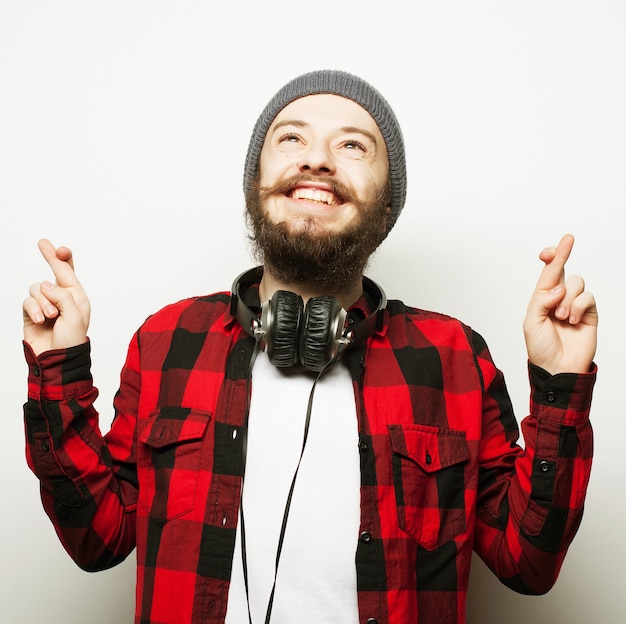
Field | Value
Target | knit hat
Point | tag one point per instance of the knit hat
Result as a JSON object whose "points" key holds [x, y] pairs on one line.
{"points": [[355, 89]]}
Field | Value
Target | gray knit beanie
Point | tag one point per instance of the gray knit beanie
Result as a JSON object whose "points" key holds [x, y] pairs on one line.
{"points": [[353, 88]]}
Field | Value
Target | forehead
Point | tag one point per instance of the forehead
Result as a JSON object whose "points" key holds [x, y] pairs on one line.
{"points": [[330, 112]]}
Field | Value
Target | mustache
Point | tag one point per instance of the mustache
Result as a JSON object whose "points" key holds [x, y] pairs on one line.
{"points": [[282, 187]]}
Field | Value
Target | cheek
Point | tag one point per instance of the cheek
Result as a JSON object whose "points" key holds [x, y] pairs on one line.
{"points": [[378, 182], [265, 167], [365, 185], [272, 209], [276, 165]]}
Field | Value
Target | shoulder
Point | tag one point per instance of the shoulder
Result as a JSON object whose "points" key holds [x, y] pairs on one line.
{"points": [[436, 328], [194, 313], [401, 312]]}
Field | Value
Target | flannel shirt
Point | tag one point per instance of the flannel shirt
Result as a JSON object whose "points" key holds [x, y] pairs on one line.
{"points": [[441, 472]]}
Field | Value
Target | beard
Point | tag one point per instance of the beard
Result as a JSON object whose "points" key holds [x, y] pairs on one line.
{"points": [[306, 251]]}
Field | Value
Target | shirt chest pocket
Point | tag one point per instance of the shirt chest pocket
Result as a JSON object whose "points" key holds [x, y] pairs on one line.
{"points": [[429, 479], [169, 457]]}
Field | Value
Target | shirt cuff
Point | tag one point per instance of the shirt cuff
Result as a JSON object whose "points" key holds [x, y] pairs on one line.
{"points": [[565, 397], [60, 373]]}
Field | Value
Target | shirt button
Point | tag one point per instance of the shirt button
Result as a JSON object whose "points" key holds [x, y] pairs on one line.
{"points": [[551, 397], [372, 621], [36, 371], [363, 446], [366, 537], [544, 466], [44, 447]]}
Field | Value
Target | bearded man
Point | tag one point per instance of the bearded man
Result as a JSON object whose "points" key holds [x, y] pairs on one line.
{"points": [[302, 448]]}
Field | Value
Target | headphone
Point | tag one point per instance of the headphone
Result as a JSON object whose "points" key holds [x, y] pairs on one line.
{"points": [[313, 335]]}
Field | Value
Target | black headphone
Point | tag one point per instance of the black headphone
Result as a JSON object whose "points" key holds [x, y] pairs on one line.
{"points": [[313, 335]]}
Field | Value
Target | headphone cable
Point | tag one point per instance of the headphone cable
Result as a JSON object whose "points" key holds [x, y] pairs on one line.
{"points": [[283, 528]]}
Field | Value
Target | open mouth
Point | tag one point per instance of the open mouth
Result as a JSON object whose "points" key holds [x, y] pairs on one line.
{"points": [[315, 194]]}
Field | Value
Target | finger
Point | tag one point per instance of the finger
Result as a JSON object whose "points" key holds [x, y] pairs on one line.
{"points": [[553, 272], [60, 261], [574, 286], [62, 299], [32, 311], [38, 295], [70, 326], [583, 308], [65, 254]]}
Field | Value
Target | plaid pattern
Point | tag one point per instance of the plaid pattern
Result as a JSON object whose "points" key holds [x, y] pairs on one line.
{"points": [[441, 473]]}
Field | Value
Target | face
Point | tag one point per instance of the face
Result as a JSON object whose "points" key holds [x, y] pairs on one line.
{"points": [[322, 201], [323, 154]]}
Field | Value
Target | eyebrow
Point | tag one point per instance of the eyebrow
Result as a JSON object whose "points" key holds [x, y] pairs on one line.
{"points": [[346, 129]]}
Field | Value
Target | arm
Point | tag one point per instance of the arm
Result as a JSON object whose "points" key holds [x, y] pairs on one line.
{"points": [[88, 485], [531, 501]]}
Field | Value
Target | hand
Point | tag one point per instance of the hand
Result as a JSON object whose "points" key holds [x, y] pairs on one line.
{"points": [[56, 316], [561, 323]]}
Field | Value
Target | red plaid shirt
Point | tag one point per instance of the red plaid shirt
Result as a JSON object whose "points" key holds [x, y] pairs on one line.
{"points": [[441, 473]]}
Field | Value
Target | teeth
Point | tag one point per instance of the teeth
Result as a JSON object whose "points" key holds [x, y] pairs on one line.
{"points": [[317, 195]]}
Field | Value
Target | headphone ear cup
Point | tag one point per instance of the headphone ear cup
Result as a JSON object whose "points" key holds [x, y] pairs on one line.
{"points": [[284, 327], [317, 336]]}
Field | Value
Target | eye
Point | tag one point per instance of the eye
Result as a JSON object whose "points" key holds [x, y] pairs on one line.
{"points": [[354, 145], [289, 138]]}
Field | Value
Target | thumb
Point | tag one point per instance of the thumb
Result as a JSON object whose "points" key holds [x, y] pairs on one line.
{"points": [[72, 304], [541, 305]]}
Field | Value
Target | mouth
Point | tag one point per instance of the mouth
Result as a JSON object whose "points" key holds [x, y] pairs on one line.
{"points": [[316, 195]]}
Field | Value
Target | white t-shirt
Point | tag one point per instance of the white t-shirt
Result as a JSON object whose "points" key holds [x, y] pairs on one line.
{"points": [[316, 575]]}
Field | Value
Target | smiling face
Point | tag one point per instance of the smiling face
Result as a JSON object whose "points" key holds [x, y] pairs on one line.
{"points": [[322, 156], [320, 207]]}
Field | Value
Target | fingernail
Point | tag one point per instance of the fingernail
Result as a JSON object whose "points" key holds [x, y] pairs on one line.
{"points": [[561, 312], [556, 290], [47, 285]]}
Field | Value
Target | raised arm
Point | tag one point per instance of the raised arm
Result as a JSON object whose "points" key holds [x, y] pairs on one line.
{"points": [[88, 483]]}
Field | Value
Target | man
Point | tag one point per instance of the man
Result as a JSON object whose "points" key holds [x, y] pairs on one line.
{"points": [[347, 473]]}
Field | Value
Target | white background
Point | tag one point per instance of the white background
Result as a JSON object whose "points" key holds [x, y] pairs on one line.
{"points": [[123, 131]]}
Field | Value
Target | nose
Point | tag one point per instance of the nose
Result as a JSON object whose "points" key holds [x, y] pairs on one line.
{"points": [[317, 160]]}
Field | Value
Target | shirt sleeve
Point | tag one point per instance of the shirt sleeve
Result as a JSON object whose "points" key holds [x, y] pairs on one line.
{"points": [[530, 500], [88, 481]]}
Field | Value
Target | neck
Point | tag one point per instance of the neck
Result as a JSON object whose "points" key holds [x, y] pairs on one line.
{"points": [[270, 284]]}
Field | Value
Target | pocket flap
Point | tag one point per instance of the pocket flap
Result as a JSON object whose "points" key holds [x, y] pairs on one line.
{"points": [[174, 425], [431, 448]]}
